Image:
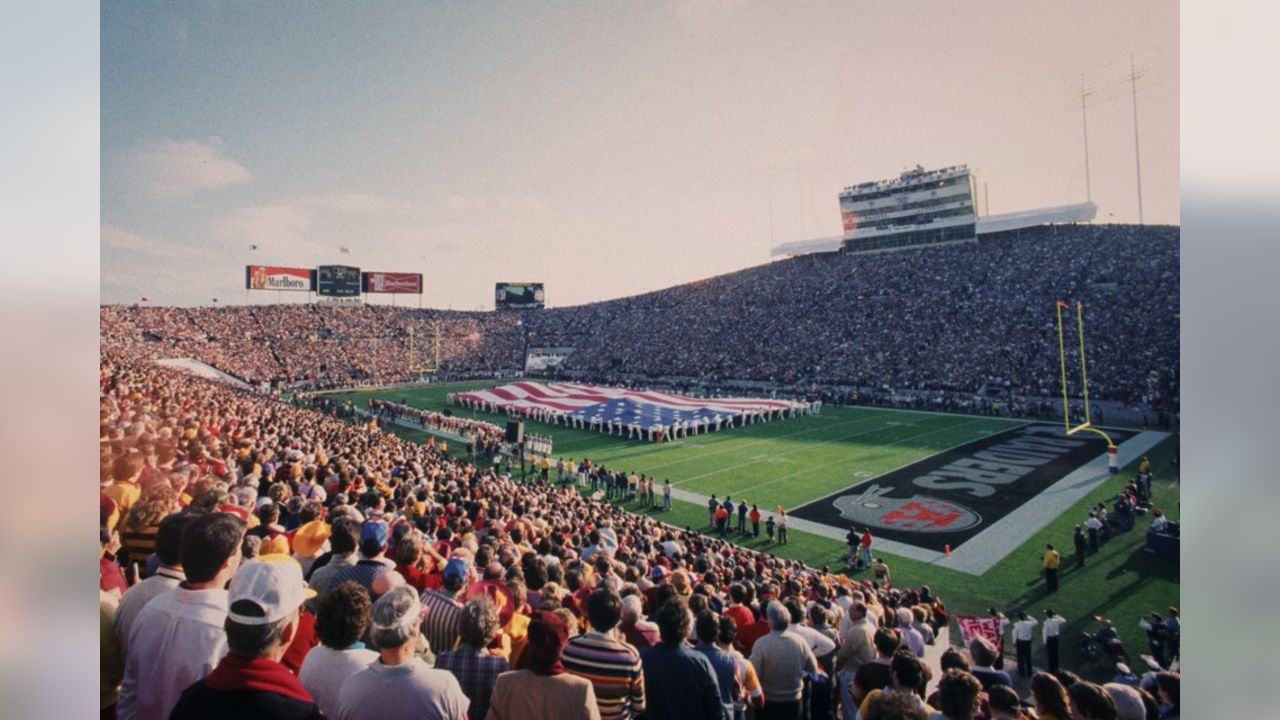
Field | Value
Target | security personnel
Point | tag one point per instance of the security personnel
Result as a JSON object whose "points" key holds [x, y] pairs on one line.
{"points": [[1051, 562], [1051, 631], [1022, 631]]}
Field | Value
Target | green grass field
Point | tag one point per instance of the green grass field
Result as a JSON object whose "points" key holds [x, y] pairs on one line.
{"points": [[796, 461]]}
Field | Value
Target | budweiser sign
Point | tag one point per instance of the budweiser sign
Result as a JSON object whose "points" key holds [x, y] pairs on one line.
{"points": [[391, 282]]}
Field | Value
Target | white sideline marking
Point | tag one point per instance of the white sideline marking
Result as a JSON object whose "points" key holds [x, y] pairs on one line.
{"points": [[981, 552], [840, 460], [984, 550]]}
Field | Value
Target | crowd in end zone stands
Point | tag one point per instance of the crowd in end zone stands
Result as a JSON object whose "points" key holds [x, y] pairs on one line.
{"points": [[316, 346], [269, 561], [945, 322]]}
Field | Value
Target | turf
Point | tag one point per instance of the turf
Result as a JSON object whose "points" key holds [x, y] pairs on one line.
{"points": [[796, 461]]}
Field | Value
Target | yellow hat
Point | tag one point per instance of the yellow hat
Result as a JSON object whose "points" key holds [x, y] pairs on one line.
{"points": [[309, 538], [278, 545]]}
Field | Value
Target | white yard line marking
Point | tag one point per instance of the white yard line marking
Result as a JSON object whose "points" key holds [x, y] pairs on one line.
{"points": [[880, 427], [845, 459], [981, 552], [907, 464]]}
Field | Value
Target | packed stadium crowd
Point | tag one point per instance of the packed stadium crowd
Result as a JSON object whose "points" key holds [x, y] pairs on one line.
{"points": [[260, 559], [932, 326], [315, 346], [948, 319]]}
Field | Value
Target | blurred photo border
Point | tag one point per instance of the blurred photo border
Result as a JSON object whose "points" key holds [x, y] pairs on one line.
{"points": [[49, 220]]}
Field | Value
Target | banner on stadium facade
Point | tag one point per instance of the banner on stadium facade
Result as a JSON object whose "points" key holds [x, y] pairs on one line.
{"points": [[391, 282], [267, 277], [987, 627]]}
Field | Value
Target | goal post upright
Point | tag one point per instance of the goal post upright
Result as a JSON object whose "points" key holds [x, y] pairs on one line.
{"points": [[1087, 425], [413, 356]]}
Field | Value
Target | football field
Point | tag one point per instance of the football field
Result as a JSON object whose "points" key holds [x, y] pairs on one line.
{"points": [[802, 464]]}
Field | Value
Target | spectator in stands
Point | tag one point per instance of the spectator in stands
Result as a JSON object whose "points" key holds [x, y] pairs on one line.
{"points": [[894, 706], [1169, 693], [110, 657], [343, 539], [614, 668], [265, 599], [857, 646], [750, 692], [1050, 697], [707, 629], [679, 683], [910, 637], [178, 637], [877, 673], [342, 620], [1129, 702], [1091, 702], [984, 657], [311, 539], [541, 689], [1005, 704], [167, 577], [373, 561], [399, 685], [444, 606], [638, 632], [907, 676], [958, 693], [782, 659], [471, 663]]}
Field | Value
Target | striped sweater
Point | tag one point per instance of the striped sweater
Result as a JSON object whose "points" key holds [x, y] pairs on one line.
{"points": [[614, 669]]}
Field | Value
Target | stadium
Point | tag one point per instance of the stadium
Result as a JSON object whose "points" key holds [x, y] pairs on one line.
{"points": [[936, 456]]}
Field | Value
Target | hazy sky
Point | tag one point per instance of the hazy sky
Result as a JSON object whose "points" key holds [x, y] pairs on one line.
{"points": [[604, 148]]}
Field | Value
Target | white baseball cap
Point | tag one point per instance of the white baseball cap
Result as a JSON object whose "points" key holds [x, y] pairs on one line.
{"points": [[273, 583]]}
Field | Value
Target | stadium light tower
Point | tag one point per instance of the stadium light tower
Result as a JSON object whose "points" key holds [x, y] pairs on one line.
{"points": [[1085, 92], [1134, 74]]}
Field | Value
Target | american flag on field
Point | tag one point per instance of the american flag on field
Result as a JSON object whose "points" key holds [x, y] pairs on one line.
{"points": [[596, 402]]}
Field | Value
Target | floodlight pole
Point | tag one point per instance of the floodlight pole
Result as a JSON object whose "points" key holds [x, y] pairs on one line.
{"points": [[1137, 153], [1084, 121]]}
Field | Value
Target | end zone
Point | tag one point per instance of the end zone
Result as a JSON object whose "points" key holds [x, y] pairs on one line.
{"points": [[984, 499]]}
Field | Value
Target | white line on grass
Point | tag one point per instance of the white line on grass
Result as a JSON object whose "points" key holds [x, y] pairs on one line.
{"points": [[880, 427], [739, 447], [845, 459], [906, 464]]}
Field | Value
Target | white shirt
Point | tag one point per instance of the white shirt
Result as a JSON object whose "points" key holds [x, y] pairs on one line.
{"points": [[1023, 629], [409, 690], [1053, 626], [1093, 523], [176, 640], [137, 597], [820, 644], [324, 670]]}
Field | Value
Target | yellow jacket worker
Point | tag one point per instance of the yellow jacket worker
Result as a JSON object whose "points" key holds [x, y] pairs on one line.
{"points": [[1051, 562]]}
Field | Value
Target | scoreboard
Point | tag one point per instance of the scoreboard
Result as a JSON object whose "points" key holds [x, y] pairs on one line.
{"points": [[337, 281], [519, 296]]}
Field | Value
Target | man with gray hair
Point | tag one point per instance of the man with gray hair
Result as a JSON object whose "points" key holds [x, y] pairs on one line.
{"points": [[635, 629], [857, 646], [399, 684], [782, 659]]}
